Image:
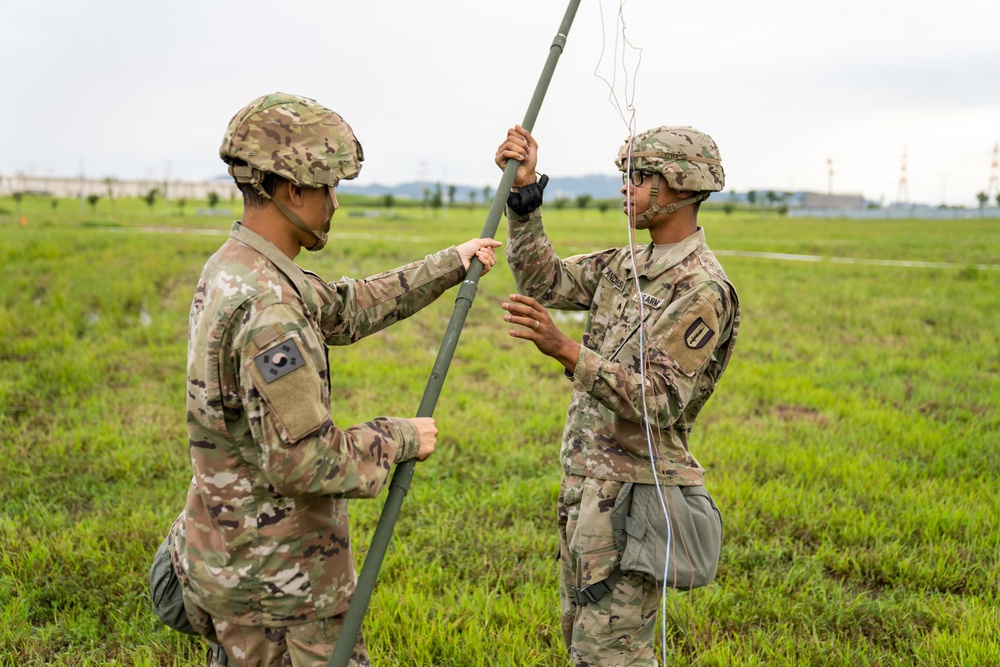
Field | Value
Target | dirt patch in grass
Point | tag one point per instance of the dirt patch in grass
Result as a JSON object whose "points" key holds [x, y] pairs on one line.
{"points": [[789, 413]]}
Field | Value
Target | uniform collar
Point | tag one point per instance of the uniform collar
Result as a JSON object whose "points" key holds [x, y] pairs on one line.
{"points": [[692, 244], [280, 261]]}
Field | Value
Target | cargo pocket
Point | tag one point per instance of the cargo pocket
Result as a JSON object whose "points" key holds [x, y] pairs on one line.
{"points": [[596, 566], [593, 545]]}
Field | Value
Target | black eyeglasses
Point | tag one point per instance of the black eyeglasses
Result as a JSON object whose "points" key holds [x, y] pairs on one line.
{"points": [[637, 177]]}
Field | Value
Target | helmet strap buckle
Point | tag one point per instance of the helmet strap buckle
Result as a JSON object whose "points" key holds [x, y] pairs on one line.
{"points": [[244, 173], [654, 208]]}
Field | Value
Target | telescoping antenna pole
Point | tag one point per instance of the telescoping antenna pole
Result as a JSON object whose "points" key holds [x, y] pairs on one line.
{"points": [[403, 475]]}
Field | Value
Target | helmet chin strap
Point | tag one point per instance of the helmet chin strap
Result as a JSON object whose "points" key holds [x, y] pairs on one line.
{"points": [[321, 237], [248, 174], [654, 209]]}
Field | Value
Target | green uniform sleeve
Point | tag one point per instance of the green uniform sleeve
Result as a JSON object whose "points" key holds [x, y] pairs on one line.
{"points": [[678, 346], [295, 442], [352, 309]]}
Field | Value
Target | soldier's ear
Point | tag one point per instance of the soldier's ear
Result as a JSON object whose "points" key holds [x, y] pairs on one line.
{"points": [[288, 193], [294, 193]]}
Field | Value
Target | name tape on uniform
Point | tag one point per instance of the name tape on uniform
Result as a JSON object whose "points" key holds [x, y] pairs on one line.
{"points": [[614, 279], [647, 299]]}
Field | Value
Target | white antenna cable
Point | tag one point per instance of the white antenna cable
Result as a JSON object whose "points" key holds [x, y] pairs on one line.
{"points": [[628, 118]]}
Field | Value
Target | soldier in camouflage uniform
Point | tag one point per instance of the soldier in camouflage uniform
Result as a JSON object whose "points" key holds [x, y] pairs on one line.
{"points": [[262, 548], [686, 322]]}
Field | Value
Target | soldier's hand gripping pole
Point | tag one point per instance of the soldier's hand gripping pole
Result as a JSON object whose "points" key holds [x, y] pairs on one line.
{"points": [[403, 475]]}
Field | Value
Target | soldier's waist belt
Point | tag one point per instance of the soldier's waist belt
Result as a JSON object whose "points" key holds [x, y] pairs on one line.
{"points": [[596, 591]]}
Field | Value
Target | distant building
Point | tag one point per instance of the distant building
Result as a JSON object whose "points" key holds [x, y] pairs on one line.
{"points": [[72, 188], [817, 200]]}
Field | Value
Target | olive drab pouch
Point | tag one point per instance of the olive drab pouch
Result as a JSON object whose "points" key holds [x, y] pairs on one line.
{"points": [[167, 595], [165, 590], [693, 534]]}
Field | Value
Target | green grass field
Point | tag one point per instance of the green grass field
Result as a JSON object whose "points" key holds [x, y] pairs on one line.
{"points": [[853, 445]]}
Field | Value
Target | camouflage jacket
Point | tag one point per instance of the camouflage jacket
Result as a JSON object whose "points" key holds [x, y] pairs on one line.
{"points": [[263, 539], [691, 317]]}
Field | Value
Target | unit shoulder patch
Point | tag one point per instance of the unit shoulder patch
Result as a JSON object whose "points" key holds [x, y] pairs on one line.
{"points": [[692, 338], [698, 334], [279, 360]]}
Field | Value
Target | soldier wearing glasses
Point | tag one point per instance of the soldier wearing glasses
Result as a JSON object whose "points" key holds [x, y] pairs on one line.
{"points": [[682, 323]]}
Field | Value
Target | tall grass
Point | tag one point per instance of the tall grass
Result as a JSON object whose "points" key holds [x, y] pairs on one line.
{"points": [[853, 445]]}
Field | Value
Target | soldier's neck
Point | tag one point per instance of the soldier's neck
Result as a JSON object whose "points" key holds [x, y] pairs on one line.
{"points": [[674, 228], [269, 223]]}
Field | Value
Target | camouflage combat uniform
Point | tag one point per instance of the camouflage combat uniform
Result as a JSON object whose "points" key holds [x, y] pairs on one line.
{"points": [[263, 540], [690, 322]]}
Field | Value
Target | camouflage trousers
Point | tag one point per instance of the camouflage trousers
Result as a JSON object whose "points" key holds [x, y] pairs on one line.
{"points": [[301, 645], [617, 630]]}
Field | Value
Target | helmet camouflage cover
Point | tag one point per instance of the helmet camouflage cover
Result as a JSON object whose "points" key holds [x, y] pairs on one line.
{"points": [[689, 160], [293, 137]]}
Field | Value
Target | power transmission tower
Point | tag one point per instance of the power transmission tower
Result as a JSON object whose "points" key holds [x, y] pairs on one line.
{"points": [[903, 195]]}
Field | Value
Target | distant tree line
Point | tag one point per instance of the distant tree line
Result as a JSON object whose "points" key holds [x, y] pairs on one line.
{"points": [[984, 199]]}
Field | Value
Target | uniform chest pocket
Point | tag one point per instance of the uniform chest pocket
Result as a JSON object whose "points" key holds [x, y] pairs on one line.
{"points": [[625, 335], [597, 326]]}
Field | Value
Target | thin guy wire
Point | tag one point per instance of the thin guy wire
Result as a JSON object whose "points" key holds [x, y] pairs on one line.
{"points": [[630, 216]]}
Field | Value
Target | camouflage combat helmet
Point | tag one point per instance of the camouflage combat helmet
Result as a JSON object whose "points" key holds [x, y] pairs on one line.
{"points": [[295, 138], [688, 160]]}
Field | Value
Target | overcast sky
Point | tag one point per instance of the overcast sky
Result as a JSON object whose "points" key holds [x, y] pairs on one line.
{"points": [[145, 89]]}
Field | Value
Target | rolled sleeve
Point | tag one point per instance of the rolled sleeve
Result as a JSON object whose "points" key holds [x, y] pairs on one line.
{"points": [[588, 365], [408, 439]]}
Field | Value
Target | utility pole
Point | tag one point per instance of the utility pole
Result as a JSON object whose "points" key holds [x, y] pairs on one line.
{"points": [[829, 182], [166, 186], [444, 195], [424, 192], [903, 195]]}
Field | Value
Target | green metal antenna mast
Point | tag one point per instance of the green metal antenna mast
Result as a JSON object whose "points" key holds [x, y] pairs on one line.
{"points": [[403, 475]]}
